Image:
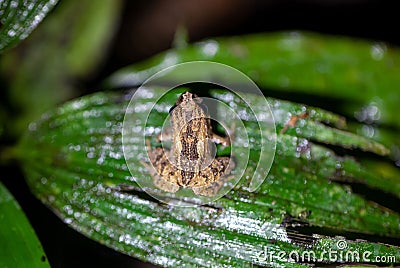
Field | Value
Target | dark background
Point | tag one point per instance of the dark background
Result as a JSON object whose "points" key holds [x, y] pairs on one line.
{"points": [[148, 27]]}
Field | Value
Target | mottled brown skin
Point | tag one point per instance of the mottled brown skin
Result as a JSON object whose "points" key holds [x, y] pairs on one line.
{"points": [[190, 162]]}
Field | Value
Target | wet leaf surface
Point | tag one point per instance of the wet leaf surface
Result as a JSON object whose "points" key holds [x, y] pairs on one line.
{"points": [[74, 163], [19, 18], [350, 76]]}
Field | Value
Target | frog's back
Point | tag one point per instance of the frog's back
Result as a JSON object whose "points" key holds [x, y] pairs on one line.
{"points": [[192, 135]]}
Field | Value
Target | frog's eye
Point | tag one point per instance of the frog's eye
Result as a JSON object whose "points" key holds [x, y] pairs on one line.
{"points": [[197, 99], [204, 107]]}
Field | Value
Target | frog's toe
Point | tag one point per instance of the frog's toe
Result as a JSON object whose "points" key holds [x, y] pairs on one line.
{"points": [[209, 190], [165, 185]]}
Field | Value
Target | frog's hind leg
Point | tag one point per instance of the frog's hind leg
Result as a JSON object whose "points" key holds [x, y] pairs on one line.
{"points": [[209, 190], [217, 173], [159, 182], [163, 173]]}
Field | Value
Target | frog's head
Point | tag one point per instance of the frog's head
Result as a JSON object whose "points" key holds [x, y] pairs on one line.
{"points": [[186, 97]]}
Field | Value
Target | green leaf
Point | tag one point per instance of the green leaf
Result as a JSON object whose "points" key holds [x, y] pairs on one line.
{"points": [[355, 77], [19, 18], [19, 245], [76, 30], [74, 163]]}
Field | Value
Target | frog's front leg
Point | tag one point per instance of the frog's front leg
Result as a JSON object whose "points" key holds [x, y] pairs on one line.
{"points": [[225, 141], [165, 135]]}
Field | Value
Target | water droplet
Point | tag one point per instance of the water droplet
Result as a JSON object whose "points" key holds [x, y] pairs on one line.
{"points": [[101, 159], [11, 33], [292, 41], [32, 126], [30, 6], [14, 4], [378, 51], [68, 209], [368, 131], [209, 48], [108, 139], [369, 113]]}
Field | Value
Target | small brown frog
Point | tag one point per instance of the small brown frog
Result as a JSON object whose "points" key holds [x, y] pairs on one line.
{"points": [[190, 161]]}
